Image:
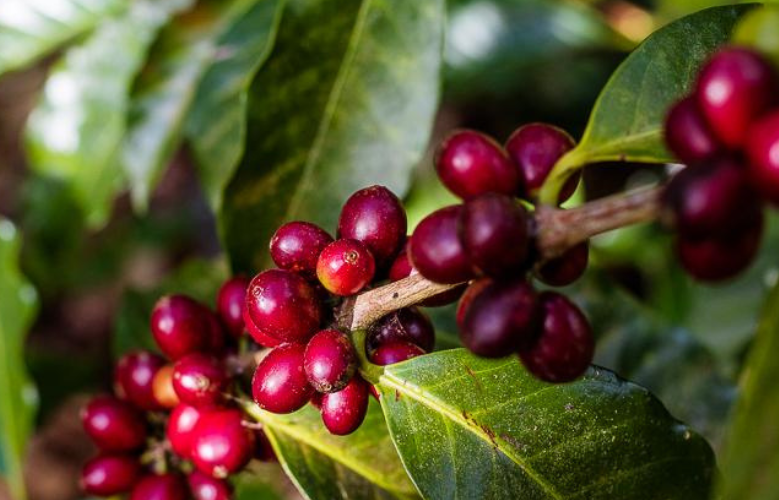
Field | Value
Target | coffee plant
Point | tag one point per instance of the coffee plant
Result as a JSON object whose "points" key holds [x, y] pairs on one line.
{"points": [[496, 319]]}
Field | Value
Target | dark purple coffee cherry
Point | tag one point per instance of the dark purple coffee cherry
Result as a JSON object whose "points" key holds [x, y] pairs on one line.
{"points": [[181, 427], [474, 289], [435, 248], [566, 268], [470, 163], [162, 386], [408, 325], [199, 379], [181, 325], [160, 487], [205, 487], [258, 335], [134, 378], [345, 267], [221, 444], [493, 229], [343, 411], [763, 151], [263, 449], [735, 87], [280, 384], [296, 247], [108, 475], [113, 425], [501, 319], [375, 217], [230, 303], [687, 134], [565, 348], [284, 305], [395, 352], [329, 360]]}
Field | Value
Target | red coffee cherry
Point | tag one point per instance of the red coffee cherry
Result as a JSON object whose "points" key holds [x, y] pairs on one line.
{"points": [[199, 380], [113, 424], [566, 268], [181, 325], [284, 305], [470, 164], [230, 303], [763, 152], [107, 475], [205, 487], [735, 87], [134, 378], [329, 361], [160, 487], [402, 268], [296, 247], [221, 444], [407, 325], [345, 267], [181, 427], [258, 335], [435, 248], [395, 352], [343, 411], [280, 384], [687, 134], [162, 386], [566, 346], [474, 289]]}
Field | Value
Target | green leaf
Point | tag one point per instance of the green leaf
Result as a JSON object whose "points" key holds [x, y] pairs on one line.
{"points": [[468, 427], [76, 130], [626, 123], [346, 99], [30, 29], [216, 124], [760, 29], [19, 399]]}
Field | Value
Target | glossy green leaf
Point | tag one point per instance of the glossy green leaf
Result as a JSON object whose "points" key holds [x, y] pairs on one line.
{"points": [[627, 120], [19, 399], [468, 427], [346, 99], [760, 29]]}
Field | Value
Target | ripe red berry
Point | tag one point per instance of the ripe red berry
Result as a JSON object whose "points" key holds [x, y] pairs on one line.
{"points": [[296, 247], [181, 325], [230, 303], [199, 379], [735, 87], [107, 475], [493, 229], [435, 248], [113, 424], [407, 325], [566, 268], [395, 352], [343, 411], [162, 386], [284, 305], [401, 267], [687, 134], [134, 378], [258, 335], [565, 348], [763, 152], [345, 267], [375, 217], [470, 164], [160, 487], [221, 444], [474, 289], [329, 361], [205, 487], [280, 384], [181, 426]]}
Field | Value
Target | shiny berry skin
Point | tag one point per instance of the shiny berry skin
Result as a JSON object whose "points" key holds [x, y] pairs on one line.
{"points": [[205, 487], [566, 268], [230, 303], [180, 325], [284, 305], [160, 487], [134, 378], [735, 87], [408, 324], [329, 361], [763, 152], [401, 267], [565, 348], [107, 475], [474, 289], [221, 444], [375, 217], [345, 267], [181, 426], [493, 229], [395, 352], [164, 393], [435, 248], [469, 164], [687, 134], [280, 384], [258, 335], [296, 246], [344, 411], [199, 379], [502, 318], [113, 425]]}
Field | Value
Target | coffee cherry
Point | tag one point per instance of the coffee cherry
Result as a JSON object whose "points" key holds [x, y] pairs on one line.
{"points": [[284, 305], [134, 378], [230, 303], [763, 152], [258, 335], [565, 348], [687, 134], [296, 247], [402, 268], [395, 352], [501, 319], [329, 361], [734, 88], [407, 325], [280, 384], [375, 217], [160, 487], [470, 164], [473, 290], [113, 424], [435, 248], [566, 268], [205, 487], [181, 426], [221, 444], [107, 475], [493, 229], [162, 386], [199, 380], [181, 325], [343, 411], [345, 267]]}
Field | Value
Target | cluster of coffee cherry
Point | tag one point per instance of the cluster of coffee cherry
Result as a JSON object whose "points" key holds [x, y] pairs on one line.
{"points": [[727, 133]]}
